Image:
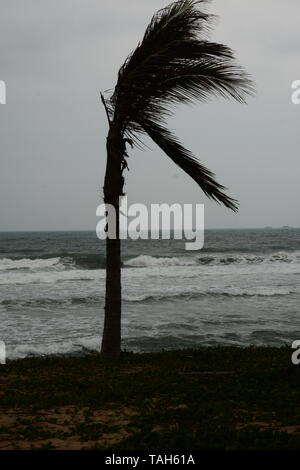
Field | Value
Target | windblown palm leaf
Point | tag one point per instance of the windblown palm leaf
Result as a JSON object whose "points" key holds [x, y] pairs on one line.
{"points": [[175, 63]]}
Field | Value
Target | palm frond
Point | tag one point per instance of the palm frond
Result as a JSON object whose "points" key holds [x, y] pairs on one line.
{"points": [[190, 165], [175, 63]]}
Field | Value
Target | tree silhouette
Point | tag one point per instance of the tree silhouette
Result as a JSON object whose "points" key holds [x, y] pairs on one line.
{"points": [[175, 63]]}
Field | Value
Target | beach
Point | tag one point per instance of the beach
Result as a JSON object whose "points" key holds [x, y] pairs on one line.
{"points": [[222, 398]]}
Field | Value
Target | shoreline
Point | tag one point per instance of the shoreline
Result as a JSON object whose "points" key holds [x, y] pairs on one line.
{"points": [[205, 398], [93, 353]]}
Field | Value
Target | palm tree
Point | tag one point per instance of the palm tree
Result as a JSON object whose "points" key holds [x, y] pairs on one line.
{"points": [[174, 63]]}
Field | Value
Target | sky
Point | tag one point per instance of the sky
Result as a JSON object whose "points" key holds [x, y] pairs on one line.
{"points": [[56, 56]]}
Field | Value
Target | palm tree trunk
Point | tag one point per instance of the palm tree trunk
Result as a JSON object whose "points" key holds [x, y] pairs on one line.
{"points": [[113, 186]]}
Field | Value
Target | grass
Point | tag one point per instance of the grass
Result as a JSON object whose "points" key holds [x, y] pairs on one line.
{"points": [[209, 398]]}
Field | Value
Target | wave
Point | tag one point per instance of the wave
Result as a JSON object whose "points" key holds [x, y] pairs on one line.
{"points": [[148, 261], [53, 270], [61, 261], [88, 261], [151, 261], [211, 292], [95, 261], [50, 277], [84, 345], [46, 301], [183, 293], [7, 264]]}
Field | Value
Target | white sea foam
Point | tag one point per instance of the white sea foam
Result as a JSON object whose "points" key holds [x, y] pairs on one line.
{"points": [[54, 270], [214, 259], [81, 345], [51, 277], [149, 261], [7, 264], [57, 263], [261, 291]]}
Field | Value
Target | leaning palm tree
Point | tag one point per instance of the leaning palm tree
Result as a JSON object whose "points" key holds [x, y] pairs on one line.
{"points": [[174, 63]]}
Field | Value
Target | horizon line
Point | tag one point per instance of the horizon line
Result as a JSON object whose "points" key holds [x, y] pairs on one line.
{"points": [[267, 227]]}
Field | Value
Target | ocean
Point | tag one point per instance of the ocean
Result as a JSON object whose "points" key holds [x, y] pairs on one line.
{"points": [[241, 289]]}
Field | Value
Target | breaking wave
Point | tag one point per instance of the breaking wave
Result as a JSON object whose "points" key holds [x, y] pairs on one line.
{"points": [[29, 264], [150, 261], [80, 346], [60, 269], [63, 261], [97, 261]]}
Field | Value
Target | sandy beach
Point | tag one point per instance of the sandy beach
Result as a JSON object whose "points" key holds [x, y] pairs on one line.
{"points": [[211, 398]]}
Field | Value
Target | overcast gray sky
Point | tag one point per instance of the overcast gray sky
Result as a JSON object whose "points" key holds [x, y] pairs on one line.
{"points": [[56, 55]]}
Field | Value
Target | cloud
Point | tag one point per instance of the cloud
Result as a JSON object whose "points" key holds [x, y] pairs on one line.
{"points": [[55, 58]]}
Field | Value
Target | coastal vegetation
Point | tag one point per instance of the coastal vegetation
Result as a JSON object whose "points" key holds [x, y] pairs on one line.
{"points": [[209, 398]]}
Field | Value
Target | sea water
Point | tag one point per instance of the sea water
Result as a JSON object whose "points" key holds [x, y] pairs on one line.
{"points": [[242, 288]]}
